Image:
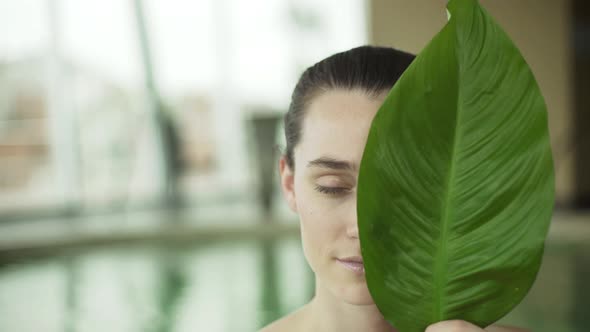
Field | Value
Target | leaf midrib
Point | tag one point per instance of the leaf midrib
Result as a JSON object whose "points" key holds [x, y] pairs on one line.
{"points": [[440, 269]]}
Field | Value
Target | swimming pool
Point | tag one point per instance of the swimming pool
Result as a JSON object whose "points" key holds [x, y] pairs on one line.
{"points": [[226, 286]]}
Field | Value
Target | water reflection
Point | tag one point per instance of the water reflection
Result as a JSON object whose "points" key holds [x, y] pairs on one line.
{"points": [[72, 280], [581, 279], [173, 281], [225, 287], [269, 294]]}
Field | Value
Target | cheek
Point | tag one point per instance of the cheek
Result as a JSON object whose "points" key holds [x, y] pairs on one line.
{"points": [[318, 229], [315, 228]]}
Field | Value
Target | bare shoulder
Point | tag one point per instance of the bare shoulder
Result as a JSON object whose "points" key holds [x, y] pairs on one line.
{"points": [[503, 328], [290, 323]]}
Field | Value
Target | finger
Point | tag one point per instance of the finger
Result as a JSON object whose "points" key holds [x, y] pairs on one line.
{"points": [[453, 326], [500, 328]]}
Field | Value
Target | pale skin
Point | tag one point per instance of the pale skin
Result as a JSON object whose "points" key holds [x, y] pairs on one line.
{"points": [[336, 126]]}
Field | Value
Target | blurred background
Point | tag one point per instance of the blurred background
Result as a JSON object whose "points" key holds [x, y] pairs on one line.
{"points": [[138, 149]]}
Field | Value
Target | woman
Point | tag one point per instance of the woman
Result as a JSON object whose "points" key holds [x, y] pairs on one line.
{"points": [[326, 129]]}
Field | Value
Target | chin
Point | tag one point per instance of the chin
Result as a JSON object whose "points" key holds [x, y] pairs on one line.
{"points": [[362, 299], [356, 293]]}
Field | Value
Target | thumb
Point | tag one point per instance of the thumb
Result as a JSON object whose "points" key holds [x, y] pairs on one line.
{"points": [[453, 326]]}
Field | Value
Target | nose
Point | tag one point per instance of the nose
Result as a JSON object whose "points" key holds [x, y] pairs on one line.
{"points": [[352, 229]]}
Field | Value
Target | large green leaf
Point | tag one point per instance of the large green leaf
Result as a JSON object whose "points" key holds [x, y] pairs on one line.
{"points": [[456, 184]]}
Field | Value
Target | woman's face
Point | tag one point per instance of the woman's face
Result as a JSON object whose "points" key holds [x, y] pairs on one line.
{"points": [[324, 186]]}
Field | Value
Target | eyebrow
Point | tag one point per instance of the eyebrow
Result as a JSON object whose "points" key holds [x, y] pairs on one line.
{"points": [[332, 163]]}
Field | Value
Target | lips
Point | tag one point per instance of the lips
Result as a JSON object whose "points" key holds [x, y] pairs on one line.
{"points": [[354, 264], [353, 259]]}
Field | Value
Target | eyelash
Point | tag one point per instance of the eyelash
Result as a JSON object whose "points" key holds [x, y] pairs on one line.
{"points": [[329, 190]]}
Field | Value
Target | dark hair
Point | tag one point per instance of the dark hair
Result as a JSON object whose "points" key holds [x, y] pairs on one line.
{"points": [[368, 68]]}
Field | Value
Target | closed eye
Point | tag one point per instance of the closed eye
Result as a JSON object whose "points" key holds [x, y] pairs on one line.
{"points": [[330, 190]]}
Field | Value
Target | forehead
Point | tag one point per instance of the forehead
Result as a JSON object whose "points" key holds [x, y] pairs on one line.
{"points": [[336, 124]]}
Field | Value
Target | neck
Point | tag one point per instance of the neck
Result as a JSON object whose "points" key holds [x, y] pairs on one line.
{"points": [[328, 313]]}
